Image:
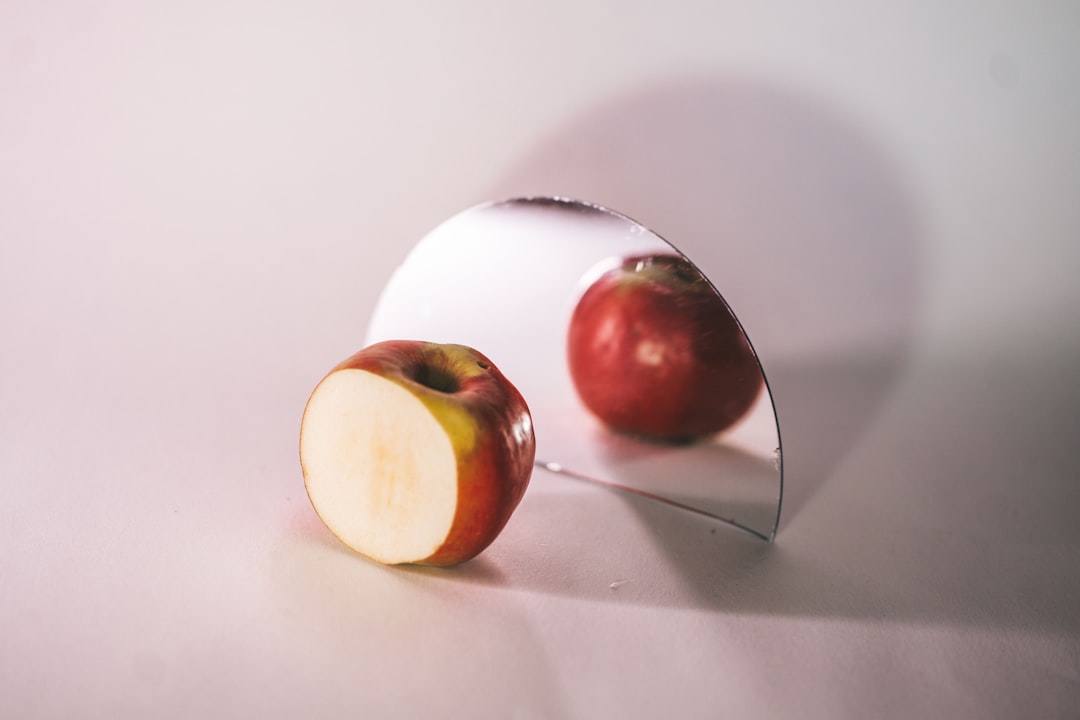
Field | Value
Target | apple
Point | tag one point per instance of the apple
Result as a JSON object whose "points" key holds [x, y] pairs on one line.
{"points": [[416, 452], [655, 353]]}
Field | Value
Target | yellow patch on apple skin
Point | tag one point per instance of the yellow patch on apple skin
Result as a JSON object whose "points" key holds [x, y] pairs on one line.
{"points": [[460, 361], [464, 364], [459, 425]]}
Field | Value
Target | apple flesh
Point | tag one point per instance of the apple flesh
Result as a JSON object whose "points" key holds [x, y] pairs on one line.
{"points": [[416, 452], [654, 352]]}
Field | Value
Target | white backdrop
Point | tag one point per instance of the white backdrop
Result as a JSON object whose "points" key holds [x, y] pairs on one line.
{"points": [[200, 201]]}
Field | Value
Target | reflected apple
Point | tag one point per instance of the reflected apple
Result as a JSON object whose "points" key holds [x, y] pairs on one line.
{"points": [[655, 353]]}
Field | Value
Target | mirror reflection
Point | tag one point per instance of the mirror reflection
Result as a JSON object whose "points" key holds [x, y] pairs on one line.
{"points": [[637, 373]]}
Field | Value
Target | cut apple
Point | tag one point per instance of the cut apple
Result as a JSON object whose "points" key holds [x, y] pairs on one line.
{"points": [[416, 452]]}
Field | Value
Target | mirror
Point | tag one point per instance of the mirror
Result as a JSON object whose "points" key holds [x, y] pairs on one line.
{"points": [[637, 373]]}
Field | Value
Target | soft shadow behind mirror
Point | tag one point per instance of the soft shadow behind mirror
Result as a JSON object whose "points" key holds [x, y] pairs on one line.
{"points": [[636, 371]]}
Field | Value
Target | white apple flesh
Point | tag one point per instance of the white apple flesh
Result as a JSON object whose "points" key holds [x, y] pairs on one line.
{"points": [[416, 452]]}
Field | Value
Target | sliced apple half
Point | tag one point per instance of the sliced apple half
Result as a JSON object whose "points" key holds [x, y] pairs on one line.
{"points": [[416, 452]]}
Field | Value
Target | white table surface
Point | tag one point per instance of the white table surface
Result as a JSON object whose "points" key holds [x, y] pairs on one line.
{"points": [[199, 203]]}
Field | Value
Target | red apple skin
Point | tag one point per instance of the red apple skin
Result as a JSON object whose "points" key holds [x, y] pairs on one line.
{"points": [[495, 469], [655, 353]]}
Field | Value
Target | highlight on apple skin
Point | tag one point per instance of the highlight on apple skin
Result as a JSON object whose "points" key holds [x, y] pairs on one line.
{"points": [[416, 452], [655, 353]]}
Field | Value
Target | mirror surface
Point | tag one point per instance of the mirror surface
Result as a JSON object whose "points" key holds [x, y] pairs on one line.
{"points": [[509, 278]]}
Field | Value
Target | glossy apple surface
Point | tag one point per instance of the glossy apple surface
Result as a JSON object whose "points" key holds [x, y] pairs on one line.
{"points": [[654, 352], [416, 452]]}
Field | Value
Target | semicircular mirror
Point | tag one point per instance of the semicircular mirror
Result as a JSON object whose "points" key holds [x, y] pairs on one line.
{"points": [[637, 373]]}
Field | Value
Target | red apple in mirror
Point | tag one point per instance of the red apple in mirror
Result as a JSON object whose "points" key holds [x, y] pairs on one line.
{"points": [[416, 452], [654, 352]]}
